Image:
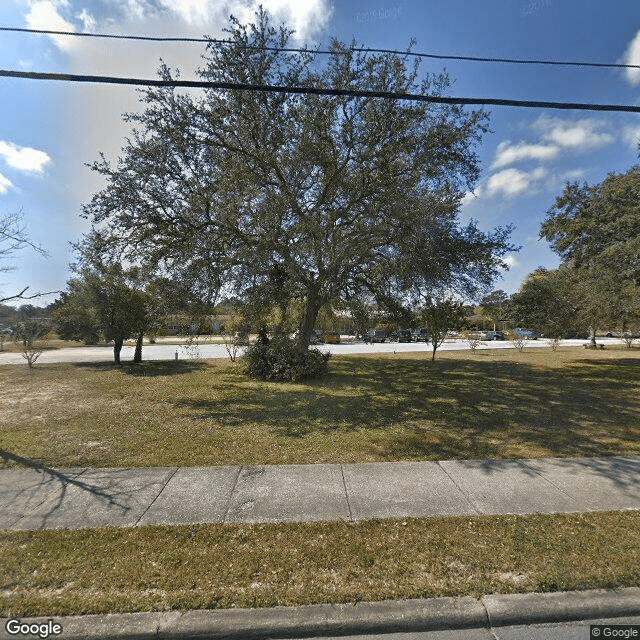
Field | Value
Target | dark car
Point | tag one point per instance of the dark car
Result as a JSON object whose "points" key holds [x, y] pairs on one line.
{"points": [[494, 335], [402, 335], [420, 335], [375, 335]]}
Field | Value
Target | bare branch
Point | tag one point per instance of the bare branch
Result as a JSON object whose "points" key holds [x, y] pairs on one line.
{"points": [[13, 236], [21, 296]]}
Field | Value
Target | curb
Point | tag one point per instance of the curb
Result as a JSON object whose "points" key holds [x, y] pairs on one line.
{"points": [[350, 619]]}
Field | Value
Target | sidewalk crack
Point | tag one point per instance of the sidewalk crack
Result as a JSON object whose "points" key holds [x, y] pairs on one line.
{"points": [[164, 486], [346, 494], [488, 616], [540, 474], [233, 489], [459, 488]]}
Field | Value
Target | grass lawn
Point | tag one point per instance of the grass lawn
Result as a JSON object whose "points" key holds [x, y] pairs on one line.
{"points": [[495, 404], [155, 568], [47, 345], [487, 404]]}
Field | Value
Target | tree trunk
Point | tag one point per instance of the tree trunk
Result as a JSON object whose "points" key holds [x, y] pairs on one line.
{"points": [[593, 337], [308, 321], [137, 356], [117, 347]]}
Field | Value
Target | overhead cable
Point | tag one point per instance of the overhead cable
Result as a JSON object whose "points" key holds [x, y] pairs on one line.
{"points": [[319, 51], [356, 93]]}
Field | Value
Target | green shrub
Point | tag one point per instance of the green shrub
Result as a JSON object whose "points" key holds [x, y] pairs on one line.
{"points": [[281, 360]]}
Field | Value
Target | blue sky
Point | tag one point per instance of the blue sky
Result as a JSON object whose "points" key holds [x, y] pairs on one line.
{"points": [[48, 131]]}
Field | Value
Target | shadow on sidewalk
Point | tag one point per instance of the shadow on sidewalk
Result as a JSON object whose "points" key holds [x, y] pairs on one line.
{"points": [[112, 494]]}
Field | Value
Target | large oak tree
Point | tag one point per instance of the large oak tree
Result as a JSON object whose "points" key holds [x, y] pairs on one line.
{"points": [[301, 197]]}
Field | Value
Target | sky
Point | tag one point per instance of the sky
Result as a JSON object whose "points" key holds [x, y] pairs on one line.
{"points": [[50, 131]]}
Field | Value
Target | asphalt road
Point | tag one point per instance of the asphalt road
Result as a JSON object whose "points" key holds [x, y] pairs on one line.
{"points": [[205, 350], [575, 630]]}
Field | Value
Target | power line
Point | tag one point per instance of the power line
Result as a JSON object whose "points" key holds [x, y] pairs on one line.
{"points": [[302, 50], [356, 93]]}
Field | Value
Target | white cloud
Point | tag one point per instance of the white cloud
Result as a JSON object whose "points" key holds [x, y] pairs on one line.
{"points": [[573, 174], [511, 261], [508, 153], [471, 196], [23, 158], [631, 136], [512, 182], [88, 21], [556, 134], [582, 134], [632, 56], [44, 14], [304, 17], [5, 183]]}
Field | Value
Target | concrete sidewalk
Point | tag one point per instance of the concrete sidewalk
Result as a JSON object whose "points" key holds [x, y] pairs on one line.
{"points": [[76, 498]]}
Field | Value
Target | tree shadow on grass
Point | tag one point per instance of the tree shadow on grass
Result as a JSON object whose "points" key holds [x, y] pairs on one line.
{"points": [[463, 408], [150, 369]]}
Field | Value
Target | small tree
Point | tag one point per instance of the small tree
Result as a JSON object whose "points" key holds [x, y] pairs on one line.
{"points": [[235, 336], [474, 343], [104, 301], [74, 314], [28, 337], [554, 343], [441, 317], [493, 306]]}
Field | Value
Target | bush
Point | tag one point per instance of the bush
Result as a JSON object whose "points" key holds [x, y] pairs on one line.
{"points": [[281, 360]]}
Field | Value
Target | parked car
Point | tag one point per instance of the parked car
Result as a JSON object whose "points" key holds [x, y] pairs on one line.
{"points": [[375, 335], [620, 334], [477, 335], [528, 334], [494, 335], [330, 337], [402, 335], [420, 335]]}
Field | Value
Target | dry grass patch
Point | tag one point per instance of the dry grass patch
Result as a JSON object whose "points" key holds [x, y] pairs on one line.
{"points": [[487, 404], [157, 568]]}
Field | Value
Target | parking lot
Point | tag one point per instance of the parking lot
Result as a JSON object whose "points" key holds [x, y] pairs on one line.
{"points": [[205, 349]]}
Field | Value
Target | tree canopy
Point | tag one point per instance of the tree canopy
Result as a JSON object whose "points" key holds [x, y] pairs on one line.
{"points": [[598, 226], [595, 229], [305, 198], [104, 301]]}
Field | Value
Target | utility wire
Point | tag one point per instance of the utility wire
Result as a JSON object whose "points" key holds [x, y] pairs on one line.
{"points": [[356, 93], [301, 50]]}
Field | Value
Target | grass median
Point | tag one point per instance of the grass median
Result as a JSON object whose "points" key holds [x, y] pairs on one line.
{"points": [[487, 404], [156, 568]]}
